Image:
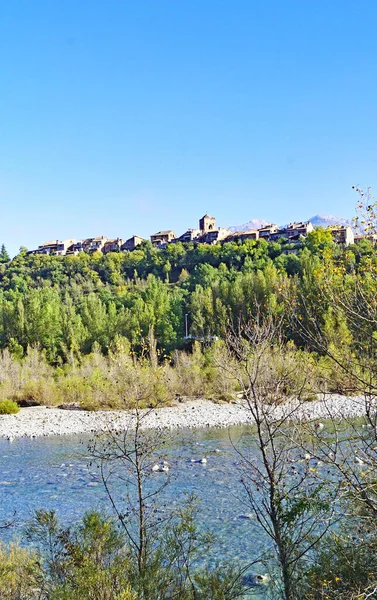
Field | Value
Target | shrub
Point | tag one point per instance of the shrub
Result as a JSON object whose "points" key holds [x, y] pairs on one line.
{"points": [[8, 407], [343, 569], [188, 377], [41, 391], [19, 573], [75, 388], [94, 561], [85, 562]]}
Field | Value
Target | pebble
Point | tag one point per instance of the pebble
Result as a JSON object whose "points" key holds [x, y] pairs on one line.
{"points": [[191, 414]]}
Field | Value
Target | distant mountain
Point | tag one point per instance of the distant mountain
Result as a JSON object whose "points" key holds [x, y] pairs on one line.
{"points": [[327, 220], [317, 221], [253, 224]]}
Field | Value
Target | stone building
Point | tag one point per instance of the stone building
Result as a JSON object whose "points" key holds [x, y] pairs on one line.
{"points": [[56, 247], [293, 231], [213, 236], [342, 234], [163, 237], [189, 236], [112, 245], [268, 230], [132, 242], [94, 244], [207, 223], [297, 229], [250, 234]]}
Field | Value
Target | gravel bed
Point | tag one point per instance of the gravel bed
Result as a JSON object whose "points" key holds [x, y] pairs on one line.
{"points": [[42, 421]]}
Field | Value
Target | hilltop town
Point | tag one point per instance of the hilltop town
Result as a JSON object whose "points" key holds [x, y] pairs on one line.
{"points": [[207, 233]]}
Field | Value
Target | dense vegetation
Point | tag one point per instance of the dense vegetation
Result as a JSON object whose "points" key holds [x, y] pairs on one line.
{"points": [[93, 561], [65, 305], [270, 321], [104, 330]]}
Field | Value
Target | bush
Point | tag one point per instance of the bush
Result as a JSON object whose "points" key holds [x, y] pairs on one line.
{"points": [[20, 573], [8, 407], [93, 560], [41, 391], [344, 569]]}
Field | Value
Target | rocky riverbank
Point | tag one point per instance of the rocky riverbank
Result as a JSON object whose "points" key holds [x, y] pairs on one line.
{"points": [[42, 421]]}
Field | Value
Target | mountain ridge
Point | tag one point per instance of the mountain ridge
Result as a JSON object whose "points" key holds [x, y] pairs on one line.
{"points": [[317, 221]]}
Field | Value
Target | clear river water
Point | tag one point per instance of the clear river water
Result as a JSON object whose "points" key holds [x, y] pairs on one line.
{"points": [[55, 473]]}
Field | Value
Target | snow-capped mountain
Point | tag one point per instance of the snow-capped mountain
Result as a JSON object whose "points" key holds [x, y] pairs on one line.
{"points": [[253, 224], [317, 221], [327, 220]]}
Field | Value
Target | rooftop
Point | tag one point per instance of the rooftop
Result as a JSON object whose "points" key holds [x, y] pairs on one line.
{"points": [[53, 243], [164, 232]]}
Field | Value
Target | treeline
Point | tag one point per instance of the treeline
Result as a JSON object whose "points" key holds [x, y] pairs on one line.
{"points": [[68, 305]]}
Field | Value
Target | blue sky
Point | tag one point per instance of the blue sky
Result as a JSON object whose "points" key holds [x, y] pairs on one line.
{"points": [[130, 116]]}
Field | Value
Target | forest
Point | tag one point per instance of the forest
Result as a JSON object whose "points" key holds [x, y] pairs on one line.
{"points": [[66, 306], [84, 327]]}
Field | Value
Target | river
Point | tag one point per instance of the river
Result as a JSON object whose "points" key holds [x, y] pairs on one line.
{"points": [[55, 473]]}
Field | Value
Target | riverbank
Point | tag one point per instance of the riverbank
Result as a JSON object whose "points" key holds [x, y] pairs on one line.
{"points": [[42, 421]]}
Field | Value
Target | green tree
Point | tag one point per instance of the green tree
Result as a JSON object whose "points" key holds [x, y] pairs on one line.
{"points": [[318, 240], [4, 256]]}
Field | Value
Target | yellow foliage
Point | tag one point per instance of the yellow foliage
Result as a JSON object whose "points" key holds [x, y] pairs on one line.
{"points": [[19, 573]]}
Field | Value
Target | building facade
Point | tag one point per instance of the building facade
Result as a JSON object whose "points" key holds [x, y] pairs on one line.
{"points": [[132, 243], [55, 248], [94, 244], [267, 231], [189, 236], [241, 236], [163, 237], [342, 235], [114, 245], [207, 223]]}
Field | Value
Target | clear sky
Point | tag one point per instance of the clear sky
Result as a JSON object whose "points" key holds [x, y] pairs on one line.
{"points": [[123, 117]]}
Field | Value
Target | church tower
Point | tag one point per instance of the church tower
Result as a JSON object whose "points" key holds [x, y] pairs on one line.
{"points": [[207, 223]]}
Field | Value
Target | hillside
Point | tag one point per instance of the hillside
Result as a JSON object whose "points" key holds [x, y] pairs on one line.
{"points": [[66, 305]]}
